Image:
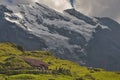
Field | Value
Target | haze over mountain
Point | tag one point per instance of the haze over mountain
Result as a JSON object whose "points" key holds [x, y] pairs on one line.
{"points": [[90, 41], [101, 8]]}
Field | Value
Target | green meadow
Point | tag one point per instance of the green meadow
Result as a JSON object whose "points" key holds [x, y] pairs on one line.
{"points": [[13, 67]]}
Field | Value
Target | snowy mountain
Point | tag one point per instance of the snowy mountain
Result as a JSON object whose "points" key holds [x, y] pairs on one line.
{"points": [[90, 41]]}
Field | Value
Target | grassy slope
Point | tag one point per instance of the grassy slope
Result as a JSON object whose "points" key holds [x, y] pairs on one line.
{"points": [[10, 56]]}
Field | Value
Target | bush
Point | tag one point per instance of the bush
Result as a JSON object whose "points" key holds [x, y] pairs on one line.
{"points": [[20, 48], [62, 71], [79, 78], [88, 76], [51, 79], [97, 69]]}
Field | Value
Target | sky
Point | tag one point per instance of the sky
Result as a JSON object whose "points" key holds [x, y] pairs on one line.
{"points": [[100, 8]]}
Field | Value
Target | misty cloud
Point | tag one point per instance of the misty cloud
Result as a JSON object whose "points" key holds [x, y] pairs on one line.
{"points": [[13, 2], [58, 5], [102, 8], [72, 2]]}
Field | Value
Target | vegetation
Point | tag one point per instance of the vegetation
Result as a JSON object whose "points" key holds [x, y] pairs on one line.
{"points": [[14, 67]]}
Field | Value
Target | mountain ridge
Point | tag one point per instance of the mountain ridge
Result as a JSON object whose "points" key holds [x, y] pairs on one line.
{"points": [[70, 35]]}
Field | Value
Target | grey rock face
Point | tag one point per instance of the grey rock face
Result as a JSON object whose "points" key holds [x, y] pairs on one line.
{"points": [[104, 49]]}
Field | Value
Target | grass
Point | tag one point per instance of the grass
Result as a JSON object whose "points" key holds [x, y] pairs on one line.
{"points": [[39, 77], [11, 59]]}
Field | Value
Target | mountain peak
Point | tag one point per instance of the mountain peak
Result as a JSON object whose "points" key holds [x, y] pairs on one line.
{"points": [[72, 36], [72, 10], [81, 16]]}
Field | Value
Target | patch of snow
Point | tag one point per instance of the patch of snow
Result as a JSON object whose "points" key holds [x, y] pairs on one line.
{"points": [[102, 26], [19, 15], [12, 21], [7, 14]]}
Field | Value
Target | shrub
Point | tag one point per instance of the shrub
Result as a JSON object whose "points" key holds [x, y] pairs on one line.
{"points": [[20, 48], [88, 76], [62, 71], [80, 78], [51, 79]]}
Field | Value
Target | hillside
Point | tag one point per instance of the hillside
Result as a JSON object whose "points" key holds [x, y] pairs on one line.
{"points": [[13, 66]]}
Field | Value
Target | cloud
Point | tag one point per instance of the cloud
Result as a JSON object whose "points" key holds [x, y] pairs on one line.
{"points": [[14, 2], [100, 8], [72, 2], [58, 5], [10, 1]]}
